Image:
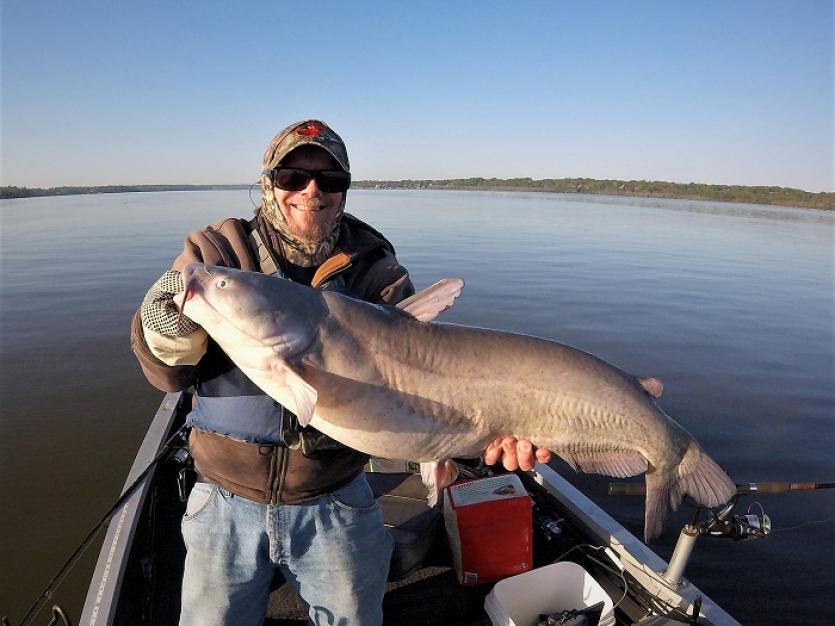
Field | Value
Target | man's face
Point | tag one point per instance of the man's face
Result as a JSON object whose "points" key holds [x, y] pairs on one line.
{"points": [[309, 213]]}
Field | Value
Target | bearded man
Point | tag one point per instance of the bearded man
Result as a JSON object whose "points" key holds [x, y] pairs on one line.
{"points": [[271, 494]]}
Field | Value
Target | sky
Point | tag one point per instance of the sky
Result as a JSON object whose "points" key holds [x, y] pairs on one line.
{"points": [[726, 92]]}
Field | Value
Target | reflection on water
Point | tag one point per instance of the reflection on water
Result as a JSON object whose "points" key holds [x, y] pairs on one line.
{"points": [[712, 208], [730, 305]]}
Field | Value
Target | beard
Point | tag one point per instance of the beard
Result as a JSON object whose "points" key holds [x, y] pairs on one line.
{"points": [[314, 231], [305, 243]]}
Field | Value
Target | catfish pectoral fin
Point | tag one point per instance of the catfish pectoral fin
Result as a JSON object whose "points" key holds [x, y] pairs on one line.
{"points": [[304, 395], [436, 475]]}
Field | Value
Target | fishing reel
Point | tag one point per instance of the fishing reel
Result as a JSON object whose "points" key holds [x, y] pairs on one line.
{"points": [[736, 527], [722, 523], [719, 523], [187, 474]]}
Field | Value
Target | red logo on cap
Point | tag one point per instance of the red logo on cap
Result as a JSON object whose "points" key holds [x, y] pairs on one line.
{"points": [[310, 129]]}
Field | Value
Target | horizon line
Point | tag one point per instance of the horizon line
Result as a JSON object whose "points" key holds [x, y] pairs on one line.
{"points": [[429, 180]]}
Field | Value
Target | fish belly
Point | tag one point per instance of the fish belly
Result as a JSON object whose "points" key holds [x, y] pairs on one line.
{"points": [[389, 423]]}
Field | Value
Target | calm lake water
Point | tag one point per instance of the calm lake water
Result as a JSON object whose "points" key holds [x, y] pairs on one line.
{"points": [[730, 305]]}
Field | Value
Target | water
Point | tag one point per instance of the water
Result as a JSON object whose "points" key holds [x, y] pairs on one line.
{"points": [[730, 305]]}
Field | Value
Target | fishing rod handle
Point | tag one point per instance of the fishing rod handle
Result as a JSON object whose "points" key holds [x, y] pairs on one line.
{"points": [[627, 489], [780, 487], [639, 489]]}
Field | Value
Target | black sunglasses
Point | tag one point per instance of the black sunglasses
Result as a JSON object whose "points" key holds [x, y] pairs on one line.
{"points": [[296, 179]]}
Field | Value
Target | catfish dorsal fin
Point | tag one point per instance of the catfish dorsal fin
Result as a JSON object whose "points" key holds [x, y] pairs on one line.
{"points": [[426, 304], [652, 386]]}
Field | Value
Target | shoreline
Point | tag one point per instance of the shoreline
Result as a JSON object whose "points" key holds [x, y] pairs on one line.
{"points": [[828, 205], [765, 196]]}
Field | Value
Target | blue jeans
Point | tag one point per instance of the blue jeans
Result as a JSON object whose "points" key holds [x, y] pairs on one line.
{"points": [[333, 550]]}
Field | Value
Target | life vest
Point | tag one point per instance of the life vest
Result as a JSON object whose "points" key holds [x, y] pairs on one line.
{"points": [[230, 404]]}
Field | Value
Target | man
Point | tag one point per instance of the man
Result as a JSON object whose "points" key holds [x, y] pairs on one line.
{"points": [[271, 494]]}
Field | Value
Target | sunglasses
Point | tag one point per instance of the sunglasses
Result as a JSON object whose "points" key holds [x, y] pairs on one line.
{"points": [[296, 179]]}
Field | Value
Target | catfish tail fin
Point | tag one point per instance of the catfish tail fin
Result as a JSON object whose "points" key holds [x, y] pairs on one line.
{"points": [[703, 480], [697, 476]]}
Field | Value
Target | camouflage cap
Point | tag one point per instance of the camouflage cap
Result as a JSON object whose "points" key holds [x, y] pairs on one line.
{"points": [[308, 132]]}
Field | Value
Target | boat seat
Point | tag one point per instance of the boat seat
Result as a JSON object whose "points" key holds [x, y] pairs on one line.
{"points": [[415, 526]]}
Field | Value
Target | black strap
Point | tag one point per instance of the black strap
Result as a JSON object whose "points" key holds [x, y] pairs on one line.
{"points": [[267, 259]]}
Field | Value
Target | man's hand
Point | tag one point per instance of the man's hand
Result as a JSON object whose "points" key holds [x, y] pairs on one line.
{"points": [[515, 453]]}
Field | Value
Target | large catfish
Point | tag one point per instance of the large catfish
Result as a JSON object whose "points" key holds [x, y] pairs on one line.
{"points": [[385, 381]]}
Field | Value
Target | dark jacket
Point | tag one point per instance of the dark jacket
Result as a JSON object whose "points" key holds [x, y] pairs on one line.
{"points": [[364, 262]]}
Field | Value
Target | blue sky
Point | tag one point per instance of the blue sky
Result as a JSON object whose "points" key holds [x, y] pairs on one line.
{"points": [[191, 92]]}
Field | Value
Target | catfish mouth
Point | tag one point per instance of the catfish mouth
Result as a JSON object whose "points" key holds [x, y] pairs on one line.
{"points": [[195, 276], [188, 294], [191, 286], [197, 285]]}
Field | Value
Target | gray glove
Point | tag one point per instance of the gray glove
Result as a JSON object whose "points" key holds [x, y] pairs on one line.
{"points": [[158, 311]]}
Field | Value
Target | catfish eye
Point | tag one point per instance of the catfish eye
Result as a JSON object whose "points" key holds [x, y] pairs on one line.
{"points": [[221, 284]]}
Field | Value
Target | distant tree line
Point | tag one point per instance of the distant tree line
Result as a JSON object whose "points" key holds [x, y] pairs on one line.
{"points": [[29, 192], [785, 196]]}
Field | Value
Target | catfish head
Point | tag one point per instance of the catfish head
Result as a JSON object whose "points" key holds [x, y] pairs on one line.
{"points": [[251, 315]]}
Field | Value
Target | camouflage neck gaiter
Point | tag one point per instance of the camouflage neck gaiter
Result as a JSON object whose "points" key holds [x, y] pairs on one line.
{"points": [[313, 133], [301, 253]]}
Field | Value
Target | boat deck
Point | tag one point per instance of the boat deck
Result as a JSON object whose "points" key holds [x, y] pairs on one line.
{"points": [[430, 597], [139, 572]]}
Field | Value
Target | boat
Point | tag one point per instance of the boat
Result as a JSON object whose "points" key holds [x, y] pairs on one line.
{"points": [[139, 569]]}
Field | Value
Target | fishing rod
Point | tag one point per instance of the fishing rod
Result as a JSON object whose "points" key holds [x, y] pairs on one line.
{"points": [[742, 489], [721, 523], [172, 444]]}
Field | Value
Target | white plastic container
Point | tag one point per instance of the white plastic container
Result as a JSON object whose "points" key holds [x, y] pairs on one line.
{"points": [[520, 600]]}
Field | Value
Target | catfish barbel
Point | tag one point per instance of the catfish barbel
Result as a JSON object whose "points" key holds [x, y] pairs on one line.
{"points": [[385, 381]]}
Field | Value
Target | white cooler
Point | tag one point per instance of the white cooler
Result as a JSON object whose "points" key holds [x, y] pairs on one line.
{"points": [[520, 600]]}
